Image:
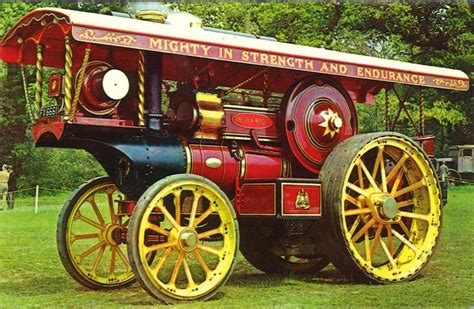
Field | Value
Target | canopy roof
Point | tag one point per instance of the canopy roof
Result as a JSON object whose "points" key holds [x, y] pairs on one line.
{"points": [[49, 26]]}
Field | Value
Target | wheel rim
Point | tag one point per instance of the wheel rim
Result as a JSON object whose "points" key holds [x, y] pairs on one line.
{"points": [[390, 209], [96, 237], [195, 243]]}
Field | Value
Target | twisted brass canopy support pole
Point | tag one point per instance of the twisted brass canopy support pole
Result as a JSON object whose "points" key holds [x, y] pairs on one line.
{"points": [[68, 80], [422, 112], [80, 80], [39, 79], [141, 88]]}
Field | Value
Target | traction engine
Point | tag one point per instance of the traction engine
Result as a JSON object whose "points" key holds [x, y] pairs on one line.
{"points": [[215, 142]]}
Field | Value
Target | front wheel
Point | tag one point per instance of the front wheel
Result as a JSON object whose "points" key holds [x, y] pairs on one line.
{"points": [[91, 236], [382, 207], [189, 223]]}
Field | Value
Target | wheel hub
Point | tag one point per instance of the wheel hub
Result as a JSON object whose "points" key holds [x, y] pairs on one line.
{"points": [[384, 206], [188, 240], [113, 234]]}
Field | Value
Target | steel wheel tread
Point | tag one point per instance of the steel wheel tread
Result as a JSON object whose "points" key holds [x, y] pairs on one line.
{"points": [[77, 252], [195, 246], [380, 233]]}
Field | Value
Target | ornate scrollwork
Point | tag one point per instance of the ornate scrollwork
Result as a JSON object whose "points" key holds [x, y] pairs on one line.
{"points": [[451, 83], [110, 37]]}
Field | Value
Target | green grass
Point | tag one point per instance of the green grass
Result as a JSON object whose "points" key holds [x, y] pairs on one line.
{"points": [[31, 274]]}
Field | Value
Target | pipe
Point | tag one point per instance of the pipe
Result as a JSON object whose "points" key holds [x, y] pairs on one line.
{"points": [[153, 82]]}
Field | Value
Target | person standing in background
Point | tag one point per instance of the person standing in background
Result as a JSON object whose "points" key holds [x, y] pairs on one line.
{"points": [[3, 185], [11, 187]]}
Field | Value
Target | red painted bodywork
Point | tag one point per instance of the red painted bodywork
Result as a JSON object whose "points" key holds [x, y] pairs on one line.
{"points": [[258, 199], [289, 193]]}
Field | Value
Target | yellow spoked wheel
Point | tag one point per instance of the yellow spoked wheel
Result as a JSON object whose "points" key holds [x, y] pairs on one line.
{"points": [[191, 227], [91, 236], [382, 207]]}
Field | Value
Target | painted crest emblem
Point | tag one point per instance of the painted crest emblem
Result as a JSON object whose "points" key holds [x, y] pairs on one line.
{"points": [[302, 200]]}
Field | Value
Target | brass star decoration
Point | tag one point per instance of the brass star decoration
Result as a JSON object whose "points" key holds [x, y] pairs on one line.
{"points": [[328, 116]]}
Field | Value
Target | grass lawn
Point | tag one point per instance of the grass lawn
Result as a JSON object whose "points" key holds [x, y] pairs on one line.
{"points": [[31, 274]]}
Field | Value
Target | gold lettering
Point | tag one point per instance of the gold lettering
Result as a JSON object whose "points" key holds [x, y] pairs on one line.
{"points": [[205, 48], [273, 59], [184, 47], [360, 71], [245, 55], [376, 73], [173, 45], [254, 56], [228, 53], [281, 61], [324, 67], [342, 69], [308, 64], [384, 74], [333, 67], [264, 58], [299, 62], [155, 43], [421, 80], [406, 77], [291, 62], [194, 47], [368, 72]]}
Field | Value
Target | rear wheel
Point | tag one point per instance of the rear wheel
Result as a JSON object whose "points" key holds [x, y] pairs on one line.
{"points": [[91, 236], [189, 223], [382, 207], [257, 246]]}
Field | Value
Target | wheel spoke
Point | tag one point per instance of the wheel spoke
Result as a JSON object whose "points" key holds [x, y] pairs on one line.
{"points": [[361, 177], [157, 229], [367, 248], [358, 190], [397, 166], [404, 228], [203, 216], [363, 230], [189, 276], [354, 226], [215, 231], [397, 182], [376, 240], [160, 246], [155, 270], [202, 263], [192, 217], [83, 236], [98, 259], [123, 258], [368, 175], [388, 254], [125, 224], [177, 206], [176, 269], [89, 221], [412, 187], [211, 250], [405, 203], [389, 238], [96, 210], [383, 175], [352, 200], [113, 216], [359, 211], [112, 261], [90, 250], [378, 161], [415, 216], [405, 241], [168, 216]]}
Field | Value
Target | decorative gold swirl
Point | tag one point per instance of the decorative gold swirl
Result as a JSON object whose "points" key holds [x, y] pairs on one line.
{"points": [[141, 89], [39, 80], [68, 79], [451, 83], [110, 37]]}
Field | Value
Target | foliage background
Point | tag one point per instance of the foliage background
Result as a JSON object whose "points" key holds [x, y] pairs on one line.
{"points": [[438, 33]]}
